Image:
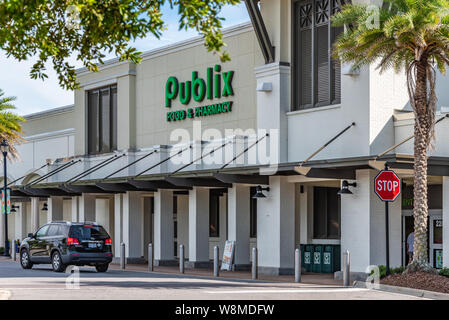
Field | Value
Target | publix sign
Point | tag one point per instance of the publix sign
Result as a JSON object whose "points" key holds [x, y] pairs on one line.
{"points": [[217, 85]]}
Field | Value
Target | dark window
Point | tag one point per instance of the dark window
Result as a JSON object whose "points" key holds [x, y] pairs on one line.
{"points": [[42, 232], [102, 120], [326, 213], [88, 232], [253, 214], [317, 76], [54, 230], [214, 214], [175, 204]]}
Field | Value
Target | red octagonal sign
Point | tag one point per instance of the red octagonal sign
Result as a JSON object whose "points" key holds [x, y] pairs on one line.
{"points": [[387, 185]]}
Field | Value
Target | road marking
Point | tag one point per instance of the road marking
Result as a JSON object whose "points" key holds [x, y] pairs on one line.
{"points": [[293, 290], [5, 294]]}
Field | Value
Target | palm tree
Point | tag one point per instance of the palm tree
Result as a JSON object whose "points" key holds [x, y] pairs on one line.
{"points": [[411, 36], [10, 124]]}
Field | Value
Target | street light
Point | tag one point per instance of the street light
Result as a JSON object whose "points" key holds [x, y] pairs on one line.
{"points": [[4, 147]]}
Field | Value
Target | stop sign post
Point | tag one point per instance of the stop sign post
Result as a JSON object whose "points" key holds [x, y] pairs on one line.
{"points": [[387, 186]]}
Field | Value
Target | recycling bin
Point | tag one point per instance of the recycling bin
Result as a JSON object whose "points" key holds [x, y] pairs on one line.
{"points": [[317, 258], [337, 258], [328, 264], [307, 253]]}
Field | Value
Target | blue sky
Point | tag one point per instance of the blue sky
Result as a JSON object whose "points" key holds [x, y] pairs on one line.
{"points": [[36, 95]]}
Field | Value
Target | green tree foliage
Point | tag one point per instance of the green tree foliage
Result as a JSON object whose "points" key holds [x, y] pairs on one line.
{"points": [[410, 36], [56, 30], [10, 123]]}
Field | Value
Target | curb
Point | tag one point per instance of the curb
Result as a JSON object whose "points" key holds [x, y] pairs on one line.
{"points": [[5, 294], [403, 290]]}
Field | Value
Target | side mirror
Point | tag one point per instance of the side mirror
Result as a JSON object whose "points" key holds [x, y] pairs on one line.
{"points": [[30, 235]]}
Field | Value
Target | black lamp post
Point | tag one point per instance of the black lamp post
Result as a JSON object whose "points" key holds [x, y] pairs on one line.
{"points": [[4, 147]]}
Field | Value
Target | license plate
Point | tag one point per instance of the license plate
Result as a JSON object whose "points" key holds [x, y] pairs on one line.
{"points": [[92, 245]]}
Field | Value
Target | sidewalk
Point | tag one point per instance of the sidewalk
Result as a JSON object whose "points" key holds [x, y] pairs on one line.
{"points": [[309, 278]]}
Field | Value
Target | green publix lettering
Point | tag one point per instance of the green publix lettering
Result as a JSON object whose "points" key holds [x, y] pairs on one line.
{"points": [[198, 89]]}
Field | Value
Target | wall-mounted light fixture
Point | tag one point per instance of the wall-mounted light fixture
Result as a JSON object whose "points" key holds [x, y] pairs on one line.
{"points": [[13, 208], [259, 193], [264, 87], [45, 207], [345, 187]]}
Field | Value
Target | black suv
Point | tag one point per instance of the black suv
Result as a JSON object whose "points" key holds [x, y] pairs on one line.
{"points": [[67, 243]]}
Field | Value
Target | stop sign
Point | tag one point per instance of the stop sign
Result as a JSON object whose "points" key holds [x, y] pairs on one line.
{"points": [[387, 185]]}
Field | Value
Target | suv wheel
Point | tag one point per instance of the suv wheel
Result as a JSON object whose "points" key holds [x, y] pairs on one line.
{"points": [[56, 262], [25, 261], [102, 267]]}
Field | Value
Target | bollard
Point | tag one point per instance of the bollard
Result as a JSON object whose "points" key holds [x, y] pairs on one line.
{"points": [[216, 261], [14, 251], [122, 256], [181, 258], [346, 269], [254, 267], [298, 265], [150, 257]]}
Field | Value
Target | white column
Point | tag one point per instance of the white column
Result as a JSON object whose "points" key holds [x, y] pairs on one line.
{"points": [[276, 228], [87, 207], [183, 222], [75, 209], [102, 213], [133, 226], [34, 214], [363, 226], [446, 222], [163, 227], [118, 222], [273, 106], [305, 215], [198, 227], [21, 221], [238, 223], [55, 209]]}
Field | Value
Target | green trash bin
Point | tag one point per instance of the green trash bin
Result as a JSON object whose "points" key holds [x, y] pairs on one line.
{"points": [[317, 258], [328, 259], [307, 257], [337, 258]]}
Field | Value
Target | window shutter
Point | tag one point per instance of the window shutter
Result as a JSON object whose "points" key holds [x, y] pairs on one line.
{"points": [[322, 65], [105, 121], [114, 118], [336, 71], [305, 83], [93, 127]]}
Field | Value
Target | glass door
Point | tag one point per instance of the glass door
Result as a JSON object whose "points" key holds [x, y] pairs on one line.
{"points": [[436, 241]]}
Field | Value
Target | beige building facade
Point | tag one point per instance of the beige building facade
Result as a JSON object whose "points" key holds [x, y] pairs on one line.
{"points": [[185, 149]]}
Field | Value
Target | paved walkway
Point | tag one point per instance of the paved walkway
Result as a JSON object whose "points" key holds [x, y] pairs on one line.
{"points": [[309, 278]]}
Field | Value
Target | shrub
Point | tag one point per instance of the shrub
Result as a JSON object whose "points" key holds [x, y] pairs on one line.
{"points": [[444, 272], [383, 271]]}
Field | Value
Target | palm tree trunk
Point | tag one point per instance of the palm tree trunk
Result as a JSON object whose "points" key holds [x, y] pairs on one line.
{"points": [[421, 144]]}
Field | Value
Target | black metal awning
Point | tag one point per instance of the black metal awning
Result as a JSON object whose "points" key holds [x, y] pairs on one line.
{"points": [[198, 182]]}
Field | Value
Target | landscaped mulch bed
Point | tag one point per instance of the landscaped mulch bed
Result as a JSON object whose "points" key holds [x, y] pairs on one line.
{"points": [[418, 280]]}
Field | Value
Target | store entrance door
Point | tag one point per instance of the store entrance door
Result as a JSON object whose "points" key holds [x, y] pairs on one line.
{"points": [[435, 237], [436, 241], [407, 228]]}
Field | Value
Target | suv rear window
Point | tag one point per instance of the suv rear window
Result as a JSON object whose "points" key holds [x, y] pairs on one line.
{"points": [[88, 232]]}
